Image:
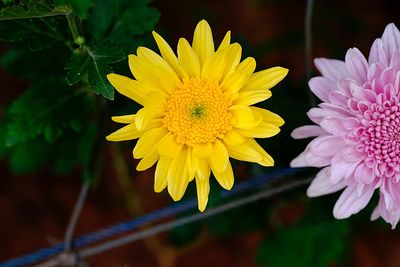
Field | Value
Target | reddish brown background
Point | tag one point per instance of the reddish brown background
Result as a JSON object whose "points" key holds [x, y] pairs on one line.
{"points": [[34, 209]]}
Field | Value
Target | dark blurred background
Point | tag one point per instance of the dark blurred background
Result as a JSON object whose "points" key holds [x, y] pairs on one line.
{"points": [[286, 230]]}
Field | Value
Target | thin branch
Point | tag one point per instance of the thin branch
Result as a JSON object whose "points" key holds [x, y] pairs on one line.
{"points": [[75, 217], [308, 46]]}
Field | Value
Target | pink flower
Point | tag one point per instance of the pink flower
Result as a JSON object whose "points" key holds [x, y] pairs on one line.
{"points": [[358, 129]]}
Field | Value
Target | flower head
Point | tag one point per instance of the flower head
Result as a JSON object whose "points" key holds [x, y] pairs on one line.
{"points": [[196, 111], [358, 129]]}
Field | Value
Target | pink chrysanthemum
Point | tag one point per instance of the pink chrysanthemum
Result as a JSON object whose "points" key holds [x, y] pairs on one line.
{"points": [[358, 129]]}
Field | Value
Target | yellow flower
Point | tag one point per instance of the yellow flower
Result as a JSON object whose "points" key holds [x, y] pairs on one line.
{"points": [[196, 111]]}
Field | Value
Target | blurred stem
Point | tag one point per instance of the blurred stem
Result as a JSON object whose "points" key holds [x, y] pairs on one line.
{"points": [[73, 26], [308, 46], [165, 255]]}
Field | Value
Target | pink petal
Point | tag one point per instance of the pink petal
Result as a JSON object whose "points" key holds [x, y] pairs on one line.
{"points": [[350, 202], [356, 64], [332, 69], [363, 174], [395, 61], [377, 53], [342, 168], [307, 131], [375, 214], [307, 159], [322, 87], [326, 146], [321, 185], [391, 39], [333, 125]]}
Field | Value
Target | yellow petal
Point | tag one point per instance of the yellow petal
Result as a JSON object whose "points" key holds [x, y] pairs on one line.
{"points": [[244, 152], [203, 189], [268, 116], [146, 142], [143, 71], [248, 98], [201, 168], [263, 130], [155, 101], [225, 178], [243, 117], [225, 42], [128, 87], [202, 150], [160, 175], [234, 56], [143, 118], [234, 138], [168, 54], [124, 118], [178, 175], [265, 79], [203, 42], [234, 81], [248, 65], [127, 132], [188, 58], [168, 146], [221, 63], [266, 159], [152, 58], [148, 160], [219, 157], [150, 68]]}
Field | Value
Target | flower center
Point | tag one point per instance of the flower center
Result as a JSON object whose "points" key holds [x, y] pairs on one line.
{"points": [[382, 135], [197, 112]]}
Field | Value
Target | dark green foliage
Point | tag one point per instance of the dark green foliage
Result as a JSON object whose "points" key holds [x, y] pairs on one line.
{"points": [[64, 49], [121, 19], [317, 240], [80, 7], [94, 62], [31, 9], [45, 109]]}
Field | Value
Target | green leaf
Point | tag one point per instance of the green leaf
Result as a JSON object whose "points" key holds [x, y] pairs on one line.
{"points": [[34, 9], [36, 34], [94, 62], [47, 108], [62, 156], [29, 156], [33, 65], [316, 244]]}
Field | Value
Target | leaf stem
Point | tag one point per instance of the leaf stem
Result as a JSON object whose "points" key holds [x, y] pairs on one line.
{"points": [[73, 26]]}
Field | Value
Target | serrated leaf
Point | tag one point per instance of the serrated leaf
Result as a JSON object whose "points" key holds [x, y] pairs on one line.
{"points": [[47, 108], [34, 9], [36, 34], [94, 62]]}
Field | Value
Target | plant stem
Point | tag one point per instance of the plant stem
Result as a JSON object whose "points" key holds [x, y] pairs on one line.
{"points": [[73, 26]]}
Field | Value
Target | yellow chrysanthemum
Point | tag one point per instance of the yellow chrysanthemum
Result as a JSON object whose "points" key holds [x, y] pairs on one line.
{"points": [[196, 111]]}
